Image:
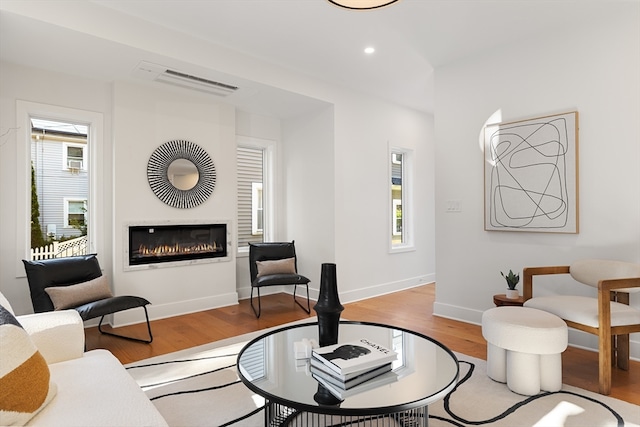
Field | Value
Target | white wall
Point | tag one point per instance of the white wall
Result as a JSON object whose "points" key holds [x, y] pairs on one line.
{"points": [[146, 117], [308, 184], [364, 130], [595, 71]]}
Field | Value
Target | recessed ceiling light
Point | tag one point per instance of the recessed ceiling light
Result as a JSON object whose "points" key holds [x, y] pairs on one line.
{"points": [[369, 50]]}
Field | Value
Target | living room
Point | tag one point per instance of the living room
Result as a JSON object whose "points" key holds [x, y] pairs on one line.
{"points": [[592, 69]]}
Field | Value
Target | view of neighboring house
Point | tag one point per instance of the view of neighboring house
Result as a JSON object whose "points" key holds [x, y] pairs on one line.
{"points": [[59, 158]]}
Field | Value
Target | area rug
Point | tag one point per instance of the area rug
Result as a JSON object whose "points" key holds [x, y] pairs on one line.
{"points": [[200, 387]]}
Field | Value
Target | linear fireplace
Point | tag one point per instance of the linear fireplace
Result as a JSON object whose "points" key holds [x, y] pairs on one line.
{"points": [[169, 243]]}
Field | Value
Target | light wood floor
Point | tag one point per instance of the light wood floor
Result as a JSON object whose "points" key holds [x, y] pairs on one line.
{"points": [[410, 309]]}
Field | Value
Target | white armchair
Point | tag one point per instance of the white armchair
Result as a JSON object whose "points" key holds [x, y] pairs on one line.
{"points": [[608, 315]]}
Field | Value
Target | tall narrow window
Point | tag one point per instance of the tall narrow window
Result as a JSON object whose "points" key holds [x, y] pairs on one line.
{"points": [[59, 196], [396, 199], [257, 209], [254, 195], [400, 167], [51, 138]]}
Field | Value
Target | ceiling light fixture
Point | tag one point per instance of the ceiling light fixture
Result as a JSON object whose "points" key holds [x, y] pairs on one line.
{"points": [[369, 50], [362, 4]]}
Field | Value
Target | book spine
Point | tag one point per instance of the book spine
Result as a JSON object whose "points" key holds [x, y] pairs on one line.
{"points": [[327, 363]]}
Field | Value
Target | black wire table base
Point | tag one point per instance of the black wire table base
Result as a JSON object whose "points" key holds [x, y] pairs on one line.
{"points": [[277, 415]]}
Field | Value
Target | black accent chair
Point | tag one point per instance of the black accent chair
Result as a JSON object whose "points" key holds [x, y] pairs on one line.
{"points": [[71, 271], [271, 276]]}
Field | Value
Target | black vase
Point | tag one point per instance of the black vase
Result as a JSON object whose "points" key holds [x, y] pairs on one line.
{"points": [[325, 397], [328, 307]]}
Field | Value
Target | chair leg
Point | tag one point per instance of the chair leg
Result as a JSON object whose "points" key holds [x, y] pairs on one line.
{"points": [[308, 309], [257, 313], [622, 351], [146, 315], [604, 362]]}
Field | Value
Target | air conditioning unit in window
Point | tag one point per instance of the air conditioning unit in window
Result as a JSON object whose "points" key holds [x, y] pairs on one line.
{"points": [[74, 164]]}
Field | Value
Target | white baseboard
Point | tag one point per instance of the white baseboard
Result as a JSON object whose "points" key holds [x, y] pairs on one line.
{"points": [[385, 288], [346, 296], [577, 338], [162, 311]]}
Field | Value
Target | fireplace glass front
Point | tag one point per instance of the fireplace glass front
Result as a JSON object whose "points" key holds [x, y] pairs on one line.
{"points": [[167, 243]]}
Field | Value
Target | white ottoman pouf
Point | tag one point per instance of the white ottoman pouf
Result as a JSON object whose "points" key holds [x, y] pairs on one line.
{"points": [[524, 347]]}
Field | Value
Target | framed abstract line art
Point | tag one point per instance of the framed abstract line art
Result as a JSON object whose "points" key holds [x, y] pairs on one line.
{"points": [[531, 175]]}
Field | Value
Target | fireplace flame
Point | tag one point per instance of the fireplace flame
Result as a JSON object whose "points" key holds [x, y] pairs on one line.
{"points": [[178, 249]]}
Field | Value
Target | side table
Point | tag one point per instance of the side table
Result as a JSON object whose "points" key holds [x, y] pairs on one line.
{"points": [[501, 300]]}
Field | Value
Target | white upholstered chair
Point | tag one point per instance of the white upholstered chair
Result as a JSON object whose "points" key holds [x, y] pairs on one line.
{"points": [[608, 315]]}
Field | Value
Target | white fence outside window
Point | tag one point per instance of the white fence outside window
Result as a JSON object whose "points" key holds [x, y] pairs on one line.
{"points": [[64, 249]]}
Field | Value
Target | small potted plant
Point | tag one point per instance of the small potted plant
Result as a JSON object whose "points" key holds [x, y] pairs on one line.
{"points": [[512, 281]]}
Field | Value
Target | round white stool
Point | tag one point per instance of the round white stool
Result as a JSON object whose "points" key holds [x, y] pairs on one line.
{"points": [[524, 347]]}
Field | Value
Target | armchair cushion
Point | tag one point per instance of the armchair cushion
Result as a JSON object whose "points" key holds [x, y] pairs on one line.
{"points": [[58, 335], [280, 279], [25, 380], [280, 266], [72, 296], [584, 310]]}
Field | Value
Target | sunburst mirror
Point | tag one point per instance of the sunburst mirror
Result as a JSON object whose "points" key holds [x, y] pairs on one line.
{"points": [[181, 174]]}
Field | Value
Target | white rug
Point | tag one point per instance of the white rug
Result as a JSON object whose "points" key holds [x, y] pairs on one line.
{"points": [[200, 387]]}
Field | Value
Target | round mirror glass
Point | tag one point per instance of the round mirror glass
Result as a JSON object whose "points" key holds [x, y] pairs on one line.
{"points": [[183, 174]]}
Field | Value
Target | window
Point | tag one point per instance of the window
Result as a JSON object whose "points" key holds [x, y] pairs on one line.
{"points": [[400, 167], [75, 211], [255, 193], [73, 157], [257, 209], [54, 217], [55, 201]]}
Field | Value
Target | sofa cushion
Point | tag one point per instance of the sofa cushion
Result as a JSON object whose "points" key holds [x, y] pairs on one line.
{"points": [[25, 384], [72, 296], [278, 266], [96, 391]]}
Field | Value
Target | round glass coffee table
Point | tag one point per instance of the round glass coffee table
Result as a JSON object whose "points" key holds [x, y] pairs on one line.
{"points": [[424, 372]]}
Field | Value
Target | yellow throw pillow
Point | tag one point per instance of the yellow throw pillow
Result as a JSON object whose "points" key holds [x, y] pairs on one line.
{"points": [[25, 386], [278, 266], [64, 297]]}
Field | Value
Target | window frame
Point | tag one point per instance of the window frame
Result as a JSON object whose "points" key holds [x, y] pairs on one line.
{"points": [[269, 166], [406, 202], [94, 150]]}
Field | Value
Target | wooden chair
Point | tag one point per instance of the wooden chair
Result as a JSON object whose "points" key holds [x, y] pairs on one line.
{"points": [[275, 264], [608, 316]]}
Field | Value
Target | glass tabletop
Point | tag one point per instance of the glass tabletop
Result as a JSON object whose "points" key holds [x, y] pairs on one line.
{"points": [[424, 372]]}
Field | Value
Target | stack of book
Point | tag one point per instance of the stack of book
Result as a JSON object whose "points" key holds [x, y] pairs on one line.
{"points": [[349, 368]]}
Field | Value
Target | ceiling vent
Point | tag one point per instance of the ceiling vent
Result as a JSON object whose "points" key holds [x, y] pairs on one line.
{"points": [[160, 73]]}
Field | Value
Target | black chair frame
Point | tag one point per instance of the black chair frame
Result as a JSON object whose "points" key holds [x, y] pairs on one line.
{"points": [[73, 270], [271, 251]]}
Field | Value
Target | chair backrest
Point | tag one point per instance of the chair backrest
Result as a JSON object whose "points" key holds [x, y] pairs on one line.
{"points": [[58, 272], [591, 271], [269, 251]]}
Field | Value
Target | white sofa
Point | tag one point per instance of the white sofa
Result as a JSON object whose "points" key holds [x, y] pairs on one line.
{"points": [[93, 388]]}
